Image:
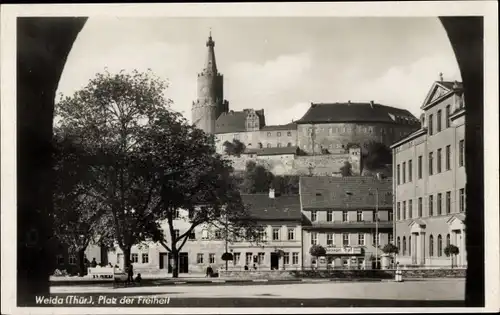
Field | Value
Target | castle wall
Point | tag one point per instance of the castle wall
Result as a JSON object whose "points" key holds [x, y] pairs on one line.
{"points": [[335, 136], [254, 139]]}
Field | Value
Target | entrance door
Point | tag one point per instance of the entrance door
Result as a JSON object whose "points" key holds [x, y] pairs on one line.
{"points": [[163, 260], [274, 261], [183, 263]]}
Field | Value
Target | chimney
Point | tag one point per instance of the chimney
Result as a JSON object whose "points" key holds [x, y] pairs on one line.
{"points": [[349, 102], [455, 85], [371, 104], [271, 193]]}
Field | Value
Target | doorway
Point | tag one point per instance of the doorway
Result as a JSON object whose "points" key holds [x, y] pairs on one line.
{"points": [[274, 261], [183, 265]]}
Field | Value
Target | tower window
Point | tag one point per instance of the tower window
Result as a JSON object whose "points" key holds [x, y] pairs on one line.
{"points": [[289, 133], [268, 134]]}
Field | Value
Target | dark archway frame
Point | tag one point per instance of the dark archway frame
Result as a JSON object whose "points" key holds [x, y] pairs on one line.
{"points": [[43, 44]]}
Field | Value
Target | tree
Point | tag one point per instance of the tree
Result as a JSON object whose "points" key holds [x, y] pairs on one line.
{"points": [[317, 251], [79, 217], [110, 118], [451, 250], [390, 249], [206, 189], [377, 155], [256, 179], [286, 184], [235, 148], [346, 169]]}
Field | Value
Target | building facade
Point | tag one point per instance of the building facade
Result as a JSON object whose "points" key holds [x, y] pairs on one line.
{"points": [[279, 217], [340, 215], [429, 184], [331, 127]]}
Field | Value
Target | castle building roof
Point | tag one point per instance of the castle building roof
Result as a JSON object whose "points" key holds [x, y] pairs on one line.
{"points": [[356, 112], [232, 121], [290, 126], [262, 207], [325, 192]]}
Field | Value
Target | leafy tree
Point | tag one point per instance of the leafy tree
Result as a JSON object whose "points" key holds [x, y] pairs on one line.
{"points": [[256, 179], [450, 251], [346, 169], [227, 256], [206, 190], [376, 156], [286, 184], [390, 249], [79, 217], [317, 251], [235, 148], [110, 118]]}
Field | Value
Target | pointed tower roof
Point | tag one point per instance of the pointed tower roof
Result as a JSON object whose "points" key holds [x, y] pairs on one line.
{"points": [[210, 64]]}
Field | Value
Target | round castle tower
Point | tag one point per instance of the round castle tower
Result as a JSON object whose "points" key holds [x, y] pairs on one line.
{"points": [[210, 103]]}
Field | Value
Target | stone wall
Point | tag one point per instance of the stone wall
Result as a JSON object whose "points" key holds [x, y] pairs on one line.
{"points": [[344, 274], [319, 165]]}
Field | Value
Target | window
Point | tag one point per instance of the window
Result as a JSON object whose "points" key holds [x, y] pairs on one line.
{"points": [[236, 258], [260, 260], [410, 209], [279, 134], [420, 167], [376, 239], [462, 200], [420, 206], [72, 259], [345, 239], [260, 145], [431, 157], [248, 258], [145, 258], [204, 234], [361, 239], [398, 214], [276, 234], [448, 157], [447, 116], [329, 239], [439, 160], [461, 153], [345, 217], [199, 258], [438, 126], [431, 246], [359, 215], [60, 259], [295, 258], [314, 216], [289, 144], [218, 235], [448, 240], [261, 235], [399, 243], [286, 258], [431, 205], [439, 203], [409, 245], [279, 145], [314, 238], [410, 170], [399, 174], [404, 172], [391, 238], [391, 216], [289, 133], [440, 246], [404, 210], [404, 245], [192, 235], [430, 125], [135, 258], [176, 233], [268, 145], [268, 134], [329, 216], [448, 202], [291, 234], [211, 258]]}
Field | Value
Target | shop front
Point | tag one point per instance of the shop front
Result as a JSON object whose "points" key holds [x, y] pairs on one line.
{"points": [[345, 258]]}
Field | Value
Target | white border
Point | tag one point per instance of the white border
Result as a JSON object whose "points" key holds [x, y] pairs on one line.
{"points": [[488, 9]]}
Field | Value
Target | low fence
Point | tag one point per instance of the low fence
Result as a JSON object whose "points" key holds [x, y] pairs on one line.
{"points": [[343, 273]]}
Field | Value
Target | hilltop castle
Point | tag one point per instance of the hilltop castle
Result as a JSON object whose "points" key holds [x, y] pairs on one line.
{"points": [[325, 129]]}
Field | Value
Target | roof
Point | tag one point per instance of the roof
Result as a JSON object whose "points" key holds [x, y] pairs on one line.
{"points": [[347, 225], [356, 112], [231, 122], [290, 126], [325, 192], [277, 151], [285, 207]]}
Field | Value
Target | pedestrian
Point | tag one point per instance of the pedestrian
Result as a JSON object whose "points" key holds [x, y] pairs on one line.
{"points": [[210, 271], [130, 272], [93, 264], [138, 278], [246, 267], [254, 267]]}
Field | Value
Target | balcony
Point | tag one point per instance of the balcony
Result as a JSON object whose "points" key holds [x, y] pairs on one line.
{"points": [[349, 225]]}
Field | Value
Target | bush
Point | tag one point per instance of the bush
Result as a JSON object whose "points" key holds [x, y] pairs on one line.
{"points": [[451, 250], [317, 251], [227, 256]]}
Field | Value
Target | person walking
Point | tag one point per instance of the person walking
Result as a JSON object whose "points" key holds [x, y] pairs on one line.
{"points": [[130, 273]]}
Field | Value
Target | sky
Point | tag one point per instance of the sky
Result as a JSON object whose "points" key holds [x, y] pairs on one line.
{"points": [[280, 64]]}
